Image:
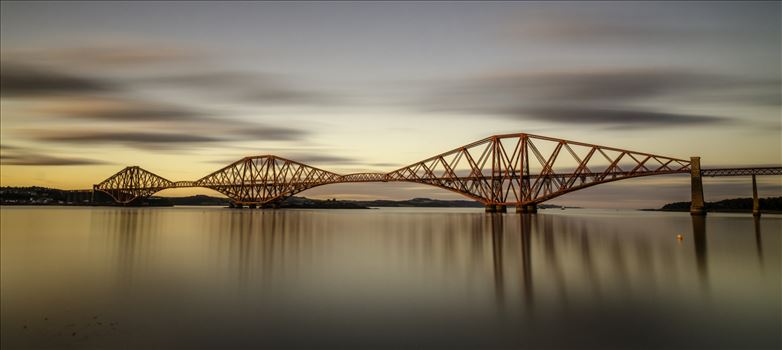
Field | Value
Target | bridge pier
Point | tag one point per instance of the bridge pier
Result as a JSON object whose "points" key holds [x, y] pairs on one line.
{"points": [[697, 205], [495, 208], [528, 208], [251, 206], [755, 199]]}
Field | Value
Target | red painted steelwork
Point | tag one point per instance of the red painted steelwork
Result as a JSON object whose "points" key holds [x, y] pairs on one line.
{"points": [[511, 169]]}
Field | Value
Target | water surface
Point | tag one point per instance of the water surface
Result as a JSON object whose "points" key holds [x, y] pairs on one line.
{"points": [[79, 277]]}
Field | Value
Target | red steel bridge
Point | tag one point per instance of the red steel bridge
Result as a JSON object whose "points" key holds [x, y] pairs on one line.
{"points": [[518, 170]]}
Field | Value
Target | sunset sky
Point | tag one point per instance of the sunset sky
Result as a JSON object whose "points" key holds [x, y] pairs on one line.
{"points": [[182, 89]]}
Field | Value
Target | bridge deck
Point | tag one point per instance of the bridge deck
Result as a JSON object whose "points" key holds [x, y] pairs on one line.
{"points": [[512, 168], [742, 171]]}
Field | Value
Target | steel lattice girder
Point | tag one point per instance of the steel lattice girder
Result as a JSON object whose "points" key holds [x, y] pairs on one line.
{"points": [[520, 169], [131, 183], [512, 169], [742, 171]]}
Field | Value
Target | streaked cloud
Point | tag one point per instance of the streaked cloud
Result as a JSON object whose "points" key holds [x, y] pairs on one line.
{"points": [[322, 159], [619, 98], [246, 87], [258, 132], [385, 164], [114, 109], [107, 56], [151, 140], [301, 157], [603, 86], [126, 112], [20, 80], [123, 137], [647, 23], [14, 155], [58, 78], [614, 118]]}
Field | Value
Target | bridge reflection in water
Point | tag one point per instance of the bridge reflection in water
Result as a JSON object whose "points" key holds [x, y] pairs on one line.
{"points": [[508, 279]]}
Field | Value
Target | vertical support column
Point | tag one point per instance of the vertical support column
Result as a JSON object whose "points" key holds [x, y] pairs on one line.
{"points": [[696, 186], [525, 172], [496, 173], [527, 208], [495, 208], [755, 199]]}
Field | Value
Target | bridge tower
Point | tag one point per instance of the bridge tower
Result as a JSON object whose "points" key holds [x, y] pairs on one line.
{"points": [[697, 206]]}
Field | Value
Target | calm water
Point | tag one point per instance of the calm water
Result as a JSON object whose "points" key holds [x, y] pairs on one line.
{"points": [[447, 278]]}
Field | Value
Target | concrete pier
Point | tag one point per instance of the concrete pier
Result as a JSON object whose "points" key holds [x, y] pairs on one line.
{"points": [[529, 208], [755, 199], [696, 186], [495, 208]]}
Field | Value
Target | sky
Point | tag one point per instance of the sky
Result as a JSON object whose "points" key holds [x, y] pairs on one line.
{"points": [[182, 89]]}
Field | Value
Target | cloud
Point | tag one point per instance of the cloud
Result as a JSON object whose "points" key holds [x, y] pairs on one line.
{"points": [[252, 87], [60, 79], [268, 133], [619, 119], [43, 160], [123, 137], [604, 86], [322, 159], [128, 111], [305, 158], [118, 110], [160, 140], [579, 29], [129, 55], [148, 124], [384, 164], [13, 155], [618, 97], [18, 80], [643, 24]]}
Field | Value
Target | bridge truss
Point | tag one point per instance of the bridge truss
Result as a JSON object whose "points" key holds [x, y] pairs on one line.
{"points": [[503, 170]]}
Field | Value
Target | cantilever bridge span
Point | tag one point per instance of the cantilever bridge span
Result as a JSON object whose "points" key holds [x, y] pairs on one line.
{"points": [[518, 170]]}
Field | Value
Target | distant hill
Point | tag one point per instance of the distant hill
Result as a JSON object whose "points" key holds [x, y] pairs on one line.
{"points": [[771, 204], [421, 202], [303, 202], [51, 196]]}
